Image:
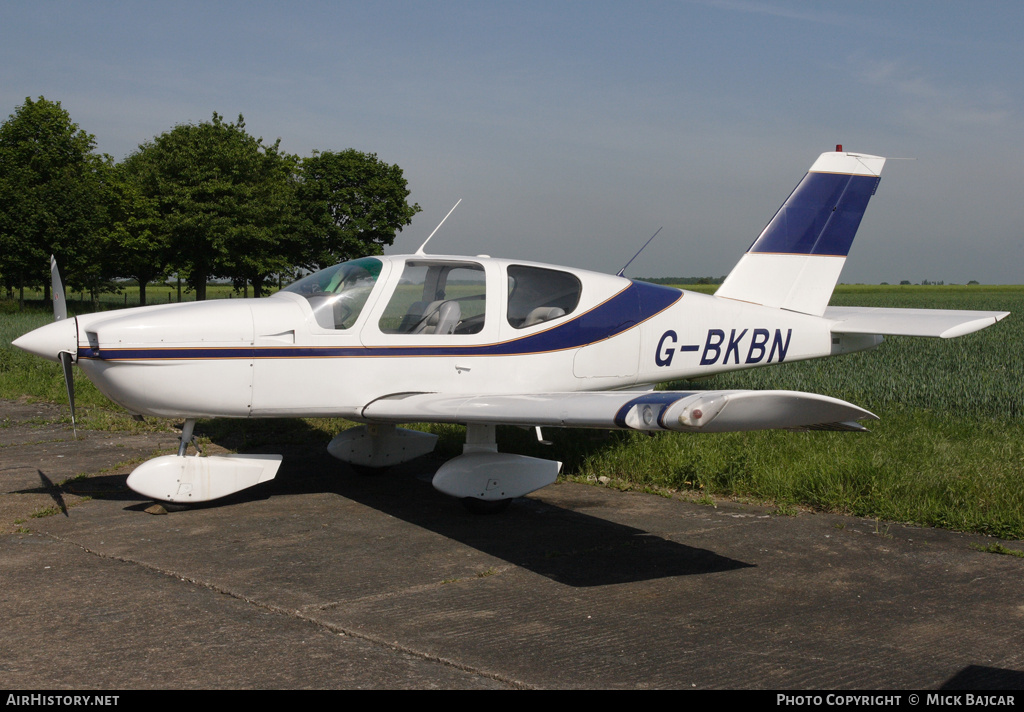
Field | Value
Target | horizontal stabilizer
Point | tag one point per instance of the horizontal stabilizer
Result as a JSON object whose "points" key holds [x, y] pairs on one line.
{"points": [[939, 323], [692, 411]]}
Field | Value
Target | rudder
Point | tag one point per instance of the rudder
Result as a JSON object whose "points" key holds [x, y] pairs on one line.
{"points": [[796, 261]]}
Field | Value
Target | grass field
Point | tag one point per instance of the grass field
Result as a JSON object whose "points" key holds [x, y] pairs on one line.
{"points": [[948, 450], [128, 297]]}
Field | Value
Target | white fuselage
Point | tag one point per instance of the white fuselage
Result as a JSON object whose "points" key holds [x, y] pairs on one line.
{"points": [[273, 357]]}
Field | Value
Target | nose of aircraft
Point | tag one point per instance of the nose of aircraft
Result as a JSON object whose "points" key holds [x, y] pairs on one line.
{"points": [[48, 341]]}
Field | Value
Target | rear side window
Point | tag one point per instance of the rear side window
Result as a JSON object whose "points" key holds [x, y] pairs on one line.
{"points": [[536, 295]]}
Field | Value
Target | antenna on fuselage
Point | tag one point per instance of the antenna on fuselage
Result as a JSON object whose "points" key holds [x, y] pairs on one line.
{"points": [[622, 272], [420, 251]]}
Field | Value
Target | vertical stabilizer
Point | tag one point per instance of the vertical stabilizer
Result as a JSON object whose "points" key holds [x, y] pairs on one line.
{"points": [[796, 261]]}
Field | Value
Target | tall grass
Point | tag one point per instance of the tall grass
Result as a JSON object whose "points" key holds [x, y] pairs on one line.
{"points": [[914, 466]]}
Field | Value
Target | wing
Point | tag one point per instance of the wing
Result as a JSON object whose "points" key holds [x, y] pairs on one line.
{"points": [[693, 411], [943, 323]]}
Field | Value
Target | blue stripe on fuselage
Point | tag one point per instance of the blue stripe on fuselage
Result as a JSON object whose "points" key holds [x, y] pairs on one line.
{"points": [[631, 306], [821, 217]]}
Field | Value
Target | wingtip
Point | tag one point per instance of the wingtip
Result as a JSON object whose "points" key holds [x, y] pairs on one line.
{"points": [[969, 327]]}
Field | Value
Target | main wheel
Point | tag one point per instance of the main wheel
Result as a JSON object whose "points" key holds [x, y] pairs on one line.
{"points": [[485, 506]]}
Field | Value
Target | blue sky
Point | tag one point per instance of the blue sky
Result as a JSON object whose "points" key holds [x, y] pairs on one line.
{"points": [[573, 130]]}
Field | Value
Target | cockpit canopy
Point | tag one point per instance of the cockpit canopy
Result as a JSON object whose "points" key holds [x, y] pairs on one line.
{"points": [[438, 295], [337, 294]]}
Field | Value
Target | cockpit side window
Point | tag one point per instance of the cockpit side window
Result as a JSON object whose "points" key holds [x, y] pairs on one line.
{"points": [[337, 294], [437, 298], [536, 295]]}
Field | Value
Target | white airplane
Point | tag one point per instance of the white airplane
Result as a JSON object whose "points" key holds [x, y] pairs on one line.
{"points": [[483, 342]]}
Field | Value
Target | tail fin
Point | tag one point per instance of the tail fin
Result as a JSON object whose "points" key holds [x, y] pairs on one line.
{"points": [[796, 261]]}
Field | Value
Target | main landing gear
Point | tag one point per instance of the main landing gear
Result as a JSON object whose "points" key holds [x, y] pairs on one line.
{"points": [[483, 478]]}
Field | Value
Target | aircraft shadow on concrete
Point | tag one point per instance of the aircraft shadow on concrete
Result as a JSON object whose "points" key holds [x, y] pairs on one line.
{"points": [[105, 487], [101, 487], [566, 546], [56, 493]]}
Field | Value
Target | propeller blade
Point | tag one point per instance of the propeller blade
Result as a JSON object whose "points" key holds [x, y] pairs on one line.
{"points": [[60, 305], [65, 362], [60, 312]]}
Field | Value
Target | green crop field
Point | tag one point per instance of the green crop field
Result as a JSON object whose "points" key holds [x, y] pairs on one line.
{"points": [[947, 451]]}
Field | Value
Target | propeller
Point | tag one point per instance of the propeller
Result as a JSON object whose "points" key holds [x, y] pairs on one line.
{"points": [[60, 304], [58, 340], [60, 313]]}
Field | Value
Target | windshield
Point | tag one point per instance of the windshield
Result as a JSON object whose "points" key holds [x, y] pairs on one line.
{"points": [[337, 294]]}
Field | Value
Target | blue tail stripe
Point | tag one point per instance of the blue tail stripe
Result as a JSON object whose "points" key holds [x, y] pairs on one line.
{"points": [[821, 217]]}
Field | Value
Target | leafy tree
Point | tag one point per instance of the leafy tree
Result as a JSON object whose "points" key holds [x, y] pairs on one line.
{"points": [[205, 200], [222, 200], [265, 242], [53, 197], [350, 204], [136, 241]]}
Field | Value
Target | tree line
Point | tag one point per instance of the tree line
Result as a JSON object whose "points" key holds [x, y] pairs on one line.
{"points": [[201, 201]]}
